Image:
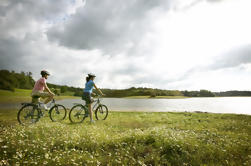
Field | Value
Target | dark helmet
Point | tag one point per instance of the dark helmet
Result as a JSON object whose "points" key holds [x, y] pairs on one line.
{"points": [[44, 72], [91, 75]]}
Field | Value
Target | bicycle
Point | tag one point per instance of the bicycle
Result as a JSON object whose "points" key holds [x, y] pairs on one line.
{"points": [[79, 112], [31, 112]]}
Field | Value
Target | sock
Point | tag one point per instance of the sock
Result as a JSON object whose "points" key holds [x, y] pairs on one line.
{"points": [[45, 107]]}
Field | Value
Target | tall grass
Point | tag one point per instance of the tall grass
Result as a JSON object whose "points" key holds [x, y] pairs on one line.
{"points": [[128, 138]]}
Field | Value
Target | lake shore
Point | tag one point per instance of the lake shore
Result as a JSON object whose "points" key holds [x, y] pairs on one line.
{"points": [[157, 97], [129, 138]]}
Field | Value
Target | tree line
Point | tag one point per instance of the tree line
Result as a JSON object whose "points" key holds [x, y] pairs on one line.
{"points": [[11, 80], [140, 92]]}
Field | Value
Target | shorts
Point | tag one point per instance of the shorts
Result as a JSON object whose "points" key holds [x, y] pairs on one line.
{"points": [[37, 94], [87, 97]]}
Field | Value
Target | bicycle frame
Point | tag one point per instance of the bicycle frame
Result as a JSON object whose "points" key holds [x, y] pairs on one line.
{"points": [[37, 106], [57, 112], [80, 111], [97, 103]]}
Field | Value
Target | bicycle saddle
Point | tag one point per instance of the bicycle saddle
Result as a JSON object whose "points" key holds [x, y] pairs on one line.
{"points": [[35, 97]]}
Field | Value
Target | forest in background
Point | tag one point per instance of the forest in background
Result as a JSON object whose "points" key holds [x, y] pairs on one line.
{"points": [[9, 80]]}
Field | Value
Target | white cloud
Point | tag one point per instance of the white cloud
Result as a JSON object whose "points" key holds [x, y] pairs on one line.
{"points": [[162, 44]]}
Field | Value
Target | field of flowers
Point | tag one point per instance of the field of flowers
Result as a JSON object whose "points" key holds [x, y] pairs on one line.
{"points": [[128, 138]]}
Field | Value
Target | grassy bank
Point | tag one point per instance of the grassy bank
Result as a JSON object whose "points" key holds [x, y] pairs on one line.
{"points": [[157, 97], [129, 138], [22, 95]]}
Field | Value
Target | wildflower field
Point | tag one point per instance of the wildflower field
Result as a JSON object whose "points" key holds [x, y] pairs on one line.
{"points": [[128, 138]]}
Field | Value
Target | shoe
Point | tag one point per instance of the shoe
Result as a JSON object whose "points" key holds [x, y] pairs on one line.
{"points": [[92, 121], [45, 107]]}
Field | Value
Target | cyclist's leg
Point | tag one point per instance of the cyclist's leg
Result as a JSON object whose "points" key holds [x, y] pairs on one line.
{"points": [[35, 97], [88, 100], [48, 97], [90, 111]]}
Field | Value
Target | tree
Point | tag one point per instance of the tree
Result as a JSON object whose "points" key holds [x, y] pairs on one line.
{"points": [[205, 93], [63, 89], [153, 94]]}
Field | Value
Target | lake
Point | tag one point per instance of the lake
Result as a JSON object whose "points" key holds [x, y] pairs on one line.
{"points": [[236, 105]]}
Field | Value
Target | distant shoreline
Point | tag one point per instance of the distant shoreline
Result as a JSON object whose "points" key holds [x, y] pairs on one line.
{"points": [[157, 97]]}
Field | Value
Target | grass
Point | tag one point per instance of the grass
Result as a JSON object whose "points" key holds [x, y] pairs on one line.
{"points": [[129, 138], [22, 95], [157, 97]]}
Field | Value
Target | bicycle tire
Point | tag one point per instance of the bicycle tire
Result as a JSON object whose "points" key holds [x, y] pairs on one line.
{"points": [[76, 114], [101, 112], [31, 114], [57, 113]]}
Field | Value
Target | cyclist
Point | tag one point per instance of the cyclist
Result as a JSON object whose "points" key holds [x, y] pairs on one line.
{"points": [[41, 89], [88, 91]]}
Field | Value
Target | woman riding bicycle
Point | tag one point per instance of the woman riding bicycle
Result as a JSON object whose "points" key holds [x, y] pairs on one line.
{"points": [[88, 91], [39, 89]]}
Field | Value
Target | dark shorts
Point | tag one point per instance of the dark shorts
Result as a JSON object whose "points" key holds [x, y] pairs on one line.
{"points": [[87, 97]]}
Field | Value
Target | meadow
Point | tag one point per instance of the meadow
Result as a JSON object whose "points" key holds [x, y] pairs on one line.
{"points": [[129, 138], [23, 95]]}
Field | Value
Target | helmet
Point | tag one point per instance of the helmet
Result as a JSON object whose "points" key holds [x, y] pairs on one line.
{"points": [[91, 75], [44, 72]]}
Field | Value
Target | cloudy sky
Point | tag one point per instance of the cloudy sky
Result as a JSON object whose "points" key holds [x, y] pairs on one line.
{"points": [[167, 44]]}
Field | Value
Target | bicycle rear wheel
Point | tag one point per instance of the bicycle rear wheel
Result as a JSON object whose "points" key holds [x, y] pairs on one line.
{"points": [[57, 113], [101, 112], [28, 114], [77, 113]]}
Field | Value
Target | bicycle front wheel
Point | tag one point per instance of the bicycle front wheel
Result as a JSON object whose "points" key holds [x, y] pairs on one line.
{"points": [[57, 113], [101, 112], [77, 113], [28, 114]]}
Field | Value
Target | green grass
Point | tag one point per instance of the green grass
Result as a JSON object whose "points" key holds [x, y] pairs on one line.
{"points": [[17, 92], [22, 95], [157, 97], [128, 138], [68, 93]]}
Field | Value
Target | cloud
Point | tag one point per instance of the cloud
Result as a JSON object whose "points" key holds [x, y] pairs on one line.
{"points": [[17, 16], [108, 26], [161, 44], [233, 58], [23, 44]]}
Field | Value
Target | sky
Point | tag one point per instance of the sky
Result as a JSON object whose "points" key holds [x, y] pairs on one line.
{"points": [[165, 44]]}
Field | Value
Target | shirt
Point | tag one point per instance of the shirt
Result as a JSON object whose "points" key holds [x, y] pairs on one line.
{"points": [[40, 84], [89, 86]]}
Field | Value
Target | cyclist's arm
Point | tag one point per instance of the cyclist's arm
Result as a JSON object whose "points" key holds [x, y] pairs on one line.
{"points": [[47, 89], [98, 90]]}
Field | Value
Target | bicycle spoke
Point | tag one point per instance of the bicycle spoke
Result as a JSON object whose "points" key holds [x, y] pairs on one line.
{"points": [[77, 114], [57, 113], [101, 112], [28, 115]]}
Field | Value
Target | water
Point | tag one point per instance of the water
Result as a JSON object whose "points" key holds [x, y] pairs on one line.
{"points": [[237, 105]]}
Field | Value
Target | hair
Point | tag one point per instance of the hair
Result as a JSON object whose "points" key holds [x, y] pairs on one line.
{"points": [[88, 78], [42, 74]]}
